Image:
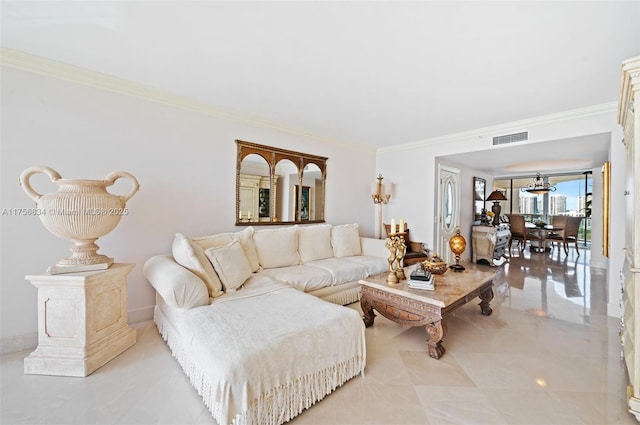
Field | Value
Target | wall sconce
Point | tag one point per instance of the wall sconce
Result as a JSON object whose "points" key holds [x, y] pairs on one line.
{"points": [[496, 196], [381, 193]]}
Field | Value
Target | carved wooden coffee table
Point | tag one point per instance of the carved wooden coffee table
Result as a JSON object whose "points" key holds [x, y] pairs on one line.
{"points": [[417, 307]]}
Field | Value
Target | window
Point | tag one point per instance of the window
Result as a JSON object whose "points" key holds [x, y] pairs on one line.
{"points": [[571, 197], [448, 206]]}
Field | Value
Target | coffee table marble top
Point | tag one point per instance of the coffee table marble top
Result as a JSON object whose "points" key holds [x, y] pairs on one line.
{"points": [[449, 287]]}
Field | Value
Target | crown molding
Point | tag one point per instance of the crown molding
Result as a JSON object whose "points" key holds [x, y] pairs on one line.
{"points": [[50, 68], [507, 128]]}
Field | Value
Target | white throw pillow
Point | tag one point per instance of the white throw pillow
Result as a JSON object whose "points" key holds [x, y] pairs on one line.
{"points": [[246, 241], [231, 264], [192, 257], [345, 240], [277, 247], [314, 242], [206, 242]]}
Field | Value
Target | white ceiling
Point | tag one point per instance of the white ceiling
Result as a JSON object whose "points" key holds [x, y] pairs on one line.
{"points": [[373, 73], [550, 157]]}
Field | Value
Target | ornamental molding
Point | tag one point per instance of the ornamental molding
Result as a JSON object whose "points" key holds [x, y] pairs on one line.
{"points": [[51, 68]]}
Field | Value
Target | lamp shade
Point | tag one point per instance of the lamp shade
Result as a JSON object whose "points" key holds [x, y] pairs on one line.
{"points": [[496, 195], [388, 189]]}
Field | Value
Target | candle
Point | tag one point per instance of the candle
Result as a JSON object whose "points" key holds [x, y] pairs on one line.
{"points": [[249, 215], [393, 226], [239, 215], [401, 225]]}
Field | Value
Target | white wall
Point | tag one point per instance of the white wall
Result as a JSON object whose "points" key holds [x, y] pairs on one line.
{"points": [[184, 160], [413, 168]]}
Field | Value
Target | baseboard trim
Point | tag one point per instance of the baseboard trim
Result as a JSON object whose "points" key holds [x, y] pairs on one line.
{"points": [[19, 343], [29, 341], [140, 314]]}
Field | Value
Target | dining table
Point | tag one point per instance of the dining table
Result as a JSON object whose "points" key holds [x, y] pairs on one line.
{"points": [[542, 232]]}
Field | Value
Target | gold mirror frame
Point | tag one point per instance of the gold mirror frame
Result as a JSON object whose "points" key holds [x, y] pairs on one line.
{"points": [[479, 196], [606, 200], [273, 156]]}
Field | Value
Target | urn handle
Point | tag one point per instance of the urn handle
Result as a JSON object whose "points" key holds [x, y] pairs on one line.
{"points": [[26, 175], [112, 177]]}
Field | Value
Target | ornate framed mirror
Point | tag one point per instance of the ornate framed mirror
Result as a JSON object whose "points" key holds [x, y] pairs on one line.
{"points": [[479, 191], [278, 186]]}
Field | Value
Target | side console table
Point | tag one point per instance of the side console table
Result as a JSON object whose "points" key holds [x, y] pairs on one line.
{"points": [[490, 242], [82, 321]]}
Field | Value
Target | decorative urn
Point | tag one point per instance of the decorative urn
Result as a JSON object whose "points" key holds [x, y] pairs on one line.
{"points": [[435, 264], [81, 211]]}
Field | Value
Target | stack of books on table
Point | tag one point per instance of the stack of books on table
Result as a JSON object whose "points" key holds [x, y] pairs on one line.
{"points": [[421, 281]]}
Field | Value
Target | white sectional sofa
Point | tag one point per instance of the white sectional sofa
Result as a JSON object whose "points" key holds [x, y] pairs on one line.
{"points": [[246, 315]]}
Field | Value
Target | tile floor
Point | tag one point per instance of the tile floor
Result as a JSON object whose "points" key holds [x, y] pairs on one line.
{"points": [[547, 355]]}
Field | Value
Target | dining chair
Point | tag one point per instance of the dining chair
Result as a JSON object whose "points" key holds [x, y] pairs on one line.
{"points": [[568, 235], [559, 223], [518, 230]]}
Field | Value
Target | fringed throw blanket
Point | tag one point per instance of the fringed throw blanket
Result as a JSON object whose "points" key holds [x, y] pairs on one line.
{"points": [[262, 357]]}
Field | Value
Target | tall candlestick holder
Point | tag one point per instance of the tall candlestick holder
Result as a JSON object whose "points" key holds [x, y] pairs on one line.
{"points": [[397, 249]]}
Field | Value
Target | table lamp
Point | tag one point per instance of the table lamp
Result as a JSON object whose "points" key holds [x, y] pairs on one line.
{"points": [[496, 196]]}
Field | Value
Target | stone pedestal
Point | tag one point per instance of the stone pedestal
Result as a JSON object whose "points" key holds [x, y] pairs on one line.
{"points": [[82, 321]]}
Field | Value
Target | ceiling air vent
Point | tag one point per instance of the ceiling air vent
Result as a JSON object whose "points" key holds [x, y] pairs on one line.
{"points": [[511, 138]]}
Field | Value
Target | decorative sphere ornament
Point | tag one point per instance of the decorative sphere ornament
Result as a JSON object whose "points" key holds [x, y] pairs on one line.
{"points": [[457, 244]]}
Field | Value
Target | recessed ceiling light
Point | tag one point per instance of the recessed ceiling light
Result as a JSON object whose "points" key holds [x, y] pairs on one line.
{"points": [[557, 164]]}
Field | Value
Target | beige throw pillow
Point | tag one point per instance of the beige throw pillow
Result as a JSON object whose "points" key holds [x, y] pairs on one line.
{"points": [[192, 257], [231, 264], [345, 240], [277, 247], [246, 241], [314, 242], [206, 242]]}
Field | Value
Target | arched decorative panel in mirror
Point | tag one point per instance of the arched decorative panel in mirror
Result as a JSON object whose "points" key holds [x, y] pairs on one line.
{"points": [[275, 186], [311, 196], [254, 189], [288, 179]]}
